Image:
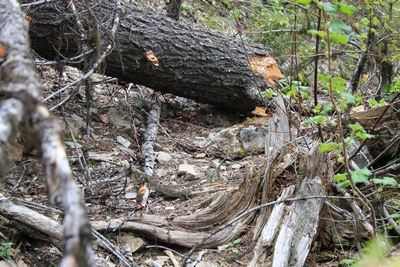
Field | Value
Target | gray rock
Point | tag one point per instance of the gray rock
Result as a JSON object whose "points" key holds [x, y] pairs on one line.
{"points": [[135, 243], [123, 141], [162, 157], [239, 141], [119, 118]]}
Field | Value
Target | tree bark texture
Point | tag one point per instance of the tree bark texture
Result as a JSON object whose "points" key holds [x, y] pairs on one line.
{"points": [[170, 56]]}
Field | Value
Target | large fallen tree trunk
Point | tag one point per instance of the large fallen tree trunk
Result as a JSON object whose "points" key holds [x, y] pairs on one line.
{"points": [[170, 56]]}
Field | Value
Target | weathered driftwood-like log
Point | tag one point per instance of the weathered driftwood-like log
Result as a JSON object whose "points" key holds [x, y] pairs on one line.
{"points": [[20, 87], [270, 230], [276, 140], [180, 230], [299, 226], [170, 56], [31, 221]]}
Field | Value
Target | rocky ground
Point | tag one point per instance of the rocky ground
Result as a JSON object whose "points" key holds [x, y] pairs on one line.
{"points": [[186, 153]]}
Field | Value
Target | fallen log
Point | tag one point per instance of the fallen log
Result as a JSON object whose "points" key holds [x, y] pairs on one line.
{"points": [[150, 49]]}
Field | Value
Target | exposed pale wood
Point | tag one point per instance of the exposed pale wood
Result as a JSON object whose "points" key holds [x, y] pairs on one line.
{"points": [[299, 227], [279, 134], [270, 230], [32, 219], [150, 135]]}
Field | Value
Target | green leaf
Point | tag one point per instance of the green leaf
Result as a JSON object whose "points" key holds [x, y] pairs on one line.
{"points": [[339, 25], [363, 135], [237, 241], [361, 175], [303, 2], [384, 181], [328, 146], [339, 38], [347, 261], [234, 250], [347, 9], [328, 7], [314, 32], [309, 121], [322, 78], [340, 177], [338, 82], [345, 184], [350, 99], [394, 216], [356, 127], [319, 119]]}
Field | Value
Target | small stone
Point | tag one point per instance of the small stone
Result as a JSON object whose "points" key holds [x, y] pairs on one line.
{"points": [[135, 243], [130, 195], [185, 168], [216, 164], [236, 166], [190, 177], [200, 155], [152, 263], [163, 157], [123, 141]]}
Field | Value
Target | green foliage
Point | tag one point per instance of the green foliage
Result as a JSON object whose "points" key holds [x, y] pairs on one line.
{"points": [[6, 250], [374, 252], [295, 90], [233, 244], [347, 31]]}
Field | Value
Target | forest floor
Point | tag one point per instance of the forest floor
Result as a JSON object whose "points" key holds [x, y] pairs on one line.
{"points": [[114, 145], [118, 120], [115, 106]]}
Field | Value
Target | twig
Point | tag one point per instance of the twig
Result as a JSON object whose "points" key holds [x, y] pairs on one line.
{"points": [[198, 258], [162, 247], [113, 249], [99, 61], [172, 257], [346, 160], [83, 164]]}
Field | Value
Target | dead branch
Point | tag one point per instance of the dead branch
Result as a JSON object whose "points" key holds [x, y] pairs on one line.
{"points": [[20, 83]]}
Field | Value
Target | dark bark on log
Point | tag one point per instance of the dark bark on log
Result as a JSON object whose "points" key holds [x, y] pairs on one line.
{"points": [[174, 8], [193, 62]]}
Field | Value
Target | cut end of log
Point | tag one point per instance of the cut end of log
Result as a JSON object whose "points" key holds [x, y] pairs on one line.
{"points": [[267, 67]]}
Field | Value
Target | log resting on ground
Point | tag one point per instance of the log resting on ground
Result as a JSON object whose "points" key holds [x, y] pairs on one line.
{"points": [[193, 62]]}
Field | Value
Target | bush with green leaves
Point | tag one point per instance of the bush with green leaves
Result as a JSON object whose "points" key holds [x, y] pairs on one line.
{"points": [[6, 250]]}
